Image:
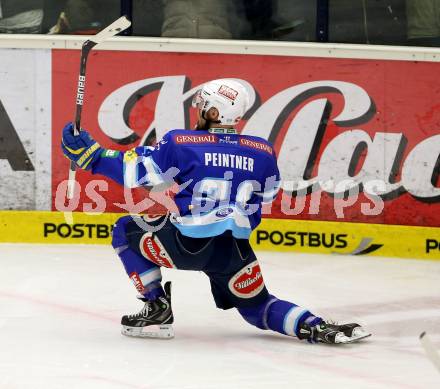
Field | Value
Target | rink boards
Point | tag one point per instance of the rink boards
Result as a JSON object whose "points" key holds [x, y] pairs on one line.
{"points": [[342, 119], [285, 235], [357, 140]]}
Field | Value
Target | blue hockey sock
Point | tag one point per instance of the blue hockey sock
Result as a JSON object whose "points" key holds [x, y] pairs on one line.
{"points": [[286, 317], [146, 275], [279, 315]]}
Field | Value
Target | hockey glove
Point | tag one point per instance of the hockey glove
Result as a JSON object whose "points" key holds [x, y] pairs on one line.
{"points": [[81, 149]]}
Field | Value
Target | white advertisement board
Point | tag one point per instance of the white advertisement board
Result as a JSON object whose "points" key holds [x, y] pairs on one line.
{"points": [[25, 128]]}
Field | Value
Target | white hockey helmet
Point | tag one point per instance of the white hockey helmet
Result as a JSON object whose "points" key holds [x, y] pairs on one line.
{"points": [[229, 97]]}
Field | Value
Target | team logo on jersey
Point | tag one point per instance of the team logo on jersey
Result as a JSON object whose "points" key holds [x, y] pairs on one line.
{"points": [[228, 92], [195, 139], [152, 249], [130, 155], [224, 212], [110, 153], [248, 282], [227, 139], [256, 145]]}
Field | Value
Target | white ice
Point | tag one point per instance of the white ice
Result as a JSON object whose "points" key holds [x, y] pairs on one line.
{"points": [[60, 308]]}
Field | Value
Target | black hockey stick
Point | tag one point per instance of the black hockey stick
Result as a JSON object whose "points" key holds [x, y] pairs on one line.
{"points": [[117, 26]]}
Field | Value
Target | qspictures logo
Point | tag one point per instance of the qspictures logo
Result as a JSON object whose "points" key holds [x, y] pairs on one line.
{"points": [[348, 162]]}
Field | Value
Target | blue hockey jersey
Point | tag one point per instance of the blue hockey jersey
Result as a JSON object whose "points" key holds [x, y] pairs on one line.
{"points": [[223, 178]]}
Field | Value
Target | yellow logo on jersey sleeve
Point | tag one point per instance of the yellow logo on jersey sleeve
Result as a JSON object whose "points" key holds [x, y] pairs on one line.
{"points": [[130, 156]]}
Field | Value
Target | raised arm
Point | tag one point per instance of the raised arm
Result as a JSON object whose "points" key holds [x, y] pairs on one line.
{"points": [[141, 166]]}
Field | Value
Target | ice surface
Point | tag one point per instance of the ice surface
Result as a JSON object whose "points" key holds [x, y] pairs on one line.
{"points": [[60, 308]]}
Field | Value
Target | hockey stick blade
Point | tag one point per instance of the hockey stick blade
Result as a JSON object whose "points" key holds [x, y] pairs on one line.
{"points": [[116, 27], [430, 350]]}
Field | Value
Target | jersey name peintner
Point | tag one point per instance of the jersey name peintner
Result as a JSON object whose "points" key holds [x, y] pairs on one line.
{"points": [[229, 160]]}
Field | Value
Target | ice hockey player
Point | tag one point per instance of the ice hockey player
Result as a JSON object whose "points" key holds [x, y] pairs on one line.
{"points": [[223, 179]]}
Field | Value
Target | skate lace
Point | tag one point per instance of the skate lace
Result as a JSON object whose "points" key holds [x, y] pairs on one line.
{"points": [[143, 312]]}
